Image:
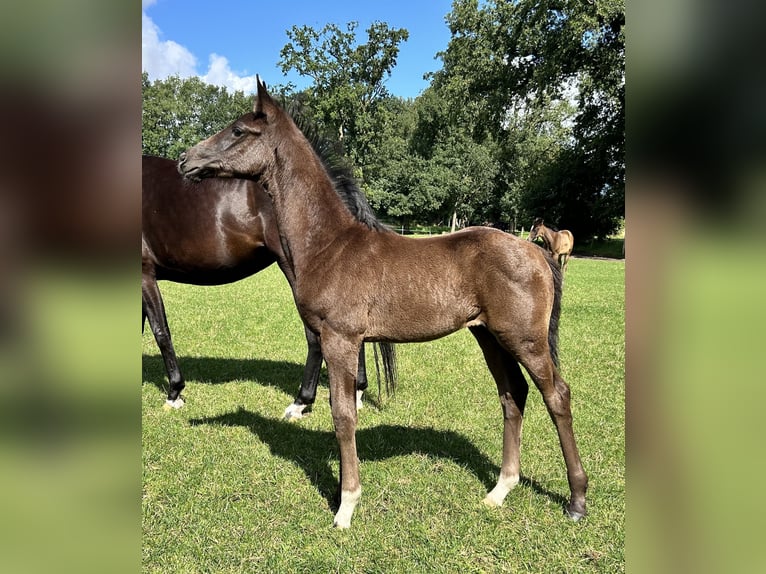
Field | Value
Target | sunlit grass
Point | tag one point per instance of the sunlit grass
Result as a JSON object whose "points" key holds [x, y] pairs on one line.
{"points": [[229, 487]]}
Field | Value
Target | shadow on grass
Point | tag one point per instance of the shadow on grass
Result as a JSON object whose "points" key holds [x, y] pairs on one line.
{"points": [[282, 375], [215, 371], [309, 449]]}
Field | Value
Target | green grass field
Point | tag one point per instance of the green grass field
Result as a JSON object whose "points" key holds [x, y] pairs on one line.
{"points": [[229, 487]]}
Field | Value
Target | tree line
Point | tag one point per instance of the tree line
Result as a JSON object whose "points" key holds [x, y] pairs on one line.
{"points": [[525, 118]]}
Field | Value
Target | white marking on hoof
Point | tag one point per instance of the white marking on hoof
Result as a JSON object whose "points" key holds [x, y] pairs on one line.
{"points": [[294, 412], [359, 403], [348, 501], [176, 404], [497, 495], [575, 516]]}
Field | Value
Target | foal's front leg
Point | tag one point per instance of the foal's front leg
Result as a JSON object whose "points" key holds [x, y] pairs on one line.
{"points": [[341, 355], [308, 390]]}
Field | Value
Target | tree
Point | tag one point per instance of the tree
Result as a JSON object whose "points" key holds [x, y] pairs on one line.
{"points": [[349, 78], [391, 171], [177, 113], [523, 63], [420, 170]]}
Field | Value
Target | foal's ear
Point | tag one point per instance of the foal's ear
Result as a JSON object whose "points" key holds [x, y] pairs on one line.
{"points": [[262, 98]]}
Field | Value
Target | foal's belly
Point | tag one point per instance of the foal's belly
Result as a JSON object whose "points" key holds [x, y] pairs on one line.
{"points": [[419, 320]]}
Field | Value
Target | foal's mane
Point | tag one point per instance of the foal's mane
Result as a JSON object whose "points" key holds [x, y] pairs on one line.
{"points": [[548, 225], [337, 167]]}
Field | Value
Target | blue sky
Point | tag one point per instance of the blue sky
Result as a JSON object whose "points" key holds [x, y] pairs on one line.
{"points": [[228, 42]]}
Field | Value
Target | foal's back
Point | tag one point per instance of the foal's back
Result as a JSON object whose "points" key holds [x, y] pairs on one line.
{"points": [[446, 282]]}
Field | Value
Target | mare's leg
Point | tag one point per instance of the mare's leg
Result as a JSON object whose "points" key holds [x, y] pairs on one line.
{"points": [[308, 391], [361, 378], [512, 388], [535, 356], [154, 309], [341, 354]]}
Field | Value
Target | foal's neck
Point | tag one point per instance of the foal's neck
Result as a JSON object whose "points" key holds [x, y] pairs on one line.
{"points": [[309, 211], [548, 237]]}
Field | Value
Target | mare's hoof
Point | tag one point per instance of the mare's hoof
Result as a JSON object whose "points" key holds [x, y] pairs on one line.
{"points": [[294, 412], [176, 404], [359, 403]]}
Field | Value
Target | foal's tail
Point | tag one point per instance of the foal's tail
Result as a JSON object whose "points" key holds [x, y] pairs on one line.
{"points": [[553, 325], [388, 357]]}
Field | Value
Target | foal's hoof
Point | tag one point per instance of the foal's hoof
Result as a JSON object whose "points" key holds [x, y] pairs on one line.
{"points": [[490, 502], [340, 526], [574, 514], [176, 404]]}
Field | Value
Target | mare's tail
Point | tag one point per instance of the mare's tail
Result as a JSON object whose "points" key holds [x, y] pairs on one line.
{"points": [[553, 325], [388, 357]]}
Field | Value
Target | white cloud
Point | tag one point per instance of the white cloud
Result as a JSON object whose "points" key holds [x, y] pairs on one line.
{"points": [[163, 58], [220, 74]]}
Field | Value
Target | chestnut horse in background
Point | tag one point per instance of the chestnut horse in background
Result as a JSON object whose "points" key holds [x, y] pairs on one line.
{"points": [[558, 243], [355, 284], [211, 233]]}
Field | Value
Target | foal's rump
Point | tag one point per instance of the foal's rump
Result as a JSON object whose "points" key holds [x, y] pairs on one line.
{"points": [[519, 289]]}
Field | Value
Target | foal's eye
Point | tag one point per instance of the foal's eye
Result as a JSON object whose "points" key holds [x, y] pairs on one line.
{"points": [[237, 132]]}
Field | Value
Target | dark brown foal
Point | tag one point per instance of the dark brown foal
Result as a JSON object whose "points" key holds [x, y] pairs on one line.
{"points": [[507, 291]]}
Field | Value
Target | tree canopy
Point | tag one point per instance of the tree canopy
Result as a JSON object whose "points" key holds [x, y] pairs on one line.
{"points": [[177, 113], [548, 76], [525, 118], [349, 77]]}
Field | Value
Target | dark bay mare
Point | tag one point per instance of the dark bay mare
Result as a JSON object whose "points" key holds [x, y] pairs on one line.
{"points": [[558, 243], [355, 284], [210, 233]]}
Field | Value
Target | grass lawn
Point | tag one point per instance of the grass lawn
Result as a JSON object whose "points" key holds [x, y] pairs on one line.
{"points": [[229, 487]]}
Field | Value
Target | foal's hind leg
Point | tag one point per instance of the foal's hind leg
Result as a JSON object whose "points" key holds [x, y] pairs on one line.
{"points": [[512, 388], [556, 395]]}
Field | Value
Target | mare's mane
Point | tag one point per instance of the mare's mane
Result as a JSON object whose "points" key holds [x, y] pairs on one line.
{"points": [[337, 167]]}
